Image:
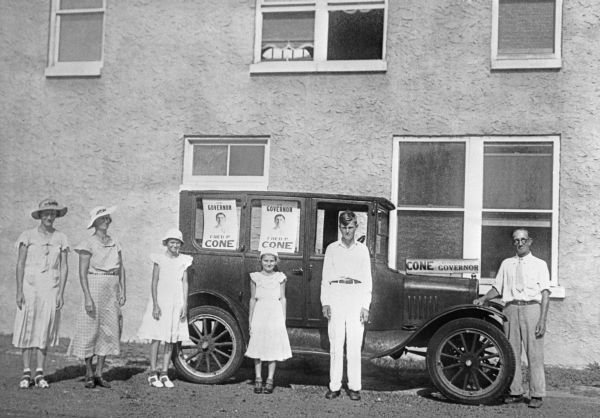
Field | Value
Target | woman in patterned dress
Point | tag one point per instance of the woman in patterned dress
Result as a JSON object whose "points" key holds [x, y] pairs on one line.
{"points": [[102, 278], [41, 277]]}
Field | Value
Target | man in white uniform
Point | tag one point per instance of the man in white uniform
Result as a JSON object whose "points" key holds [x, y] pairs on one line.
{"points": [[523, 282], [345, 296]]}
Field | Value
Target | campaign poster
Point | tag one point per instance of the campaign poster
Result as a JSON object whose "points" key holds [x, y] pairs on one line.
{"points": [[361, 230], [279, 226], [220, 224]]}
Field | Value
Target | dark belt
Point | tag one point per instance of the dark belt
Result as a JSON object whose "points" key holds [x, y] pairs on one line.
{"points": [[523, 302], [346, 281]]}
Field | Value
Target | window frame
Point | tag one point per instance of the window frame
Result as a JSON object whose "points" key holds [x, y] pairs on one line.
{"points": [[226, 182], [319, 62], [57, 68], [527, 61], [473, 201]]}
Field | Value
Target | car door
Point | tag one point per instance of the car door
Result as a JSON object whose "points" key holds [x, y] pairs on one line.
{"points": [[324, 231], [277, 222]]}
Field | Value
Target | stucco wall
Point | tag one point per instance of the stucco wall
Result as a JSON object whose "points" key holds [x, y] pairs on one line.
{"points": [[180, 67]]}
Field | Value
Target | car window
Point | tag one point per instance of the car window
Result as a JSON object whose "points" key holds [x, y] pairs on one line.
{"points": [[275, 224], [218, 224], [381, 243], [327, 230]]}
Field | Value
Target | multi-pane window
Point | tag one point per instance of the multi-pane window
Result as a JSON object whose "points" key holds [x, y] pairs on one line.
{"points": [[76, 37], [320, 35], [526, 34], [462, 198], [226, 163]]}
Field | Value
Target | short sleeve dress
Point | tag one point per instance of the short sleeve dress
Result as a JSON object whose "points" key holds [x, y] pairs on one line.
{"points": [[99, 333], [170, 298], [268, 335], [36, 323]]}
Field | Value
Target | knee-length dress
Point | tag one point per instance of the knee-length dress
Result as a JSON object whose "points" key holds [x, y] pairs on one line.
{"points": [[268, 335], [36, 323], [170, 298], [99, 332]]}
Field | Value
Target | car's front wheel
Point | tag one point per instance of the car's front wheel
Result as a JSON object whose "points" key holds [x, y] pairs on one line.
{"points": [[215, 350], [471, 361]]}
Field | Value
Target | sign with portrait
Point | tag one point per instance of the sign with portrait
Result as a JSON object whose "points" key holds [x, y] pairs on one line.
{"points": [[279, 226], [220, 224]]}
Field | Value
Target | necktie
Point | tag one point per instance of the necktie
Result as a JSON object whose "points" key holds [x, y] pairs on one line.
{"points": [[520, 281]]}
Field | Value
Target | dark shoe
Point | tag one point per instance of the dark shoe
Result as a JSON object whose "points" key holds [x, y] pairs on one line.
{"points": [[268, 387], [99, 381], [535, 402], [355, 395], [514, 399], [90, 383], [333, 394], [258, 388]]}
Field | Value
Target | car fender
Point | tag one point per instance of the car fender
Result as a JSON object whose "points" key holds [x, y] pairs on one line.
{"points": [[422, 335], [211, 298]]}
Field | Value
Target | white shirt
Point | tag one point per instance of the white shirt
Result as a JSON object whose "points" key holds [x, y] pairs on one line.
{"points": [[535, 276], [343, 262]]}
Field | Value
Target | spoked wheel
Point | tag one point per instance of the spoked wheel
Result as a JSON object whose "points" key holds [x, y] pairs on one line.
{"points": [[215, 351], [471, 361]]}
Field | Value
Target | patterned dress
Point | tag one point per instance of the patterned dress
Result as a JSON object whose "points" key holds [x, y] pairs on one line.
{"points": [[268, 335], [99, 333], [36, 323], [170, 298]]}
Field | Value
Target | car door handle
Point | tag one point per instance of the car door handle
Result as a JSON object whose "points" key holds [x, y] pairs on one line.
{"points": [[297, 271]]}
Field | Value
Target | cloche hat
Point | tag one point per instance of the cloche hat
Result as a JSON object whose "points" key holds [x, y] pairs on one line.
{"points": [[270, 251], [49, 204], [172, 233], [98, 212]]}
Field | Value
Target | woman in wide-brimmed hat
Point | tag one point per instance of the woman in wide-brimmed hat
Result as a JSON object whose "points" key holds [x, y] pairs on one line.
{"points": [[102, 278], [41, 277]]}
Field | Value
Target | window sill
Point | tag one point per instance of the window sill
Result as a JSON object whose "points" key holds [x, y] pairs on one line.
{"points": [[291, 67], [556, 292], [242, 183], [74, 69], [525, 63]]}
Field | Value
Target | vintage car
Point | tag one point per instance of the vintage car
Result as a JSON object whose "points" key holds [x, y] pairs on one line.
{"points": [[468, 357]]}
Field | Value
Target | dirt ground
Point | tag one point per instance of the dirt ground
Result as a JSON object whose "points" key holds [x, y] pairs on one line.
{"points": [[300, 387]]}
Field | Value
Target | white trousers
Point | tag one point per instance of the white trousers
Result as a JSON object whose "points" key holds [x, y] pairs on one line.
{"points": [[345, 325]]}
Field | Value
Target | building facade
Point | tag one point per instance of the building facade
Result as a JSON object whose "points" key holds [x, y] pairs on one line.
{"points": [[472, 116]]}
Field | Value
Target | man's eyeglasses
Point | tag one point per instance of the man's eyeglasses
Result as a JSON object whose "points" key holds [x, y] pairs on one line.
{"points": [[518, 241]]}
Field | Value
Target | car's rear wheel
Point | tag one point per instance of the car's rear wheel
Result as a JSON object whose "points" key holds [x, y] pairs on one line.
{"points": [[215, 351], [471, 361]]}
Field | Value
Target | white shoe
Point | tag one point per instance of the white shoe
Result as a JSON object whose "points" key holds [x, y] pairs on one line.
{"points": [[154, 382], [165, 381]]}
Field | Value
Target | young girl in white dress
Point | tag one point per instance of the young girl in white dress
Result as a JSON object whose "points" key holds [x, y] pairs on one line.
{"points": [[268, 336], [165, 318]]}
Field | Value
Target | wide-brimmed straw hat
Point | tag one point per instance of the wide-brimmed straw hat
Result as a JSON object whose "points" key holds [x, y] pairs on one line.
{"points": [[270, 251], [172, 233], [98, 212], [49, 204]]}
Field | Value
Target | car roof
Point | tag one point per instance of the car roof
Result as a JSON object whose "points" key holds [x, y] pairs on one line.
{"points": [[380, 200]]}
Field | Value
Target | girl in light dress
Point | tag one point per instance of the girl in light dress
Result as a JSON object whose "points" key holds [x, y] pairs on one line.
{"points": [[268, 335], [41, 277], [165, 318]]}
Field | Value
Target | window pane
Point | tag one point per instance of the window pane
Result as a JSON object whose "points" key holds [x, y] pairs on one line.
{"points": [[429, 235], [80, 37], [496, 238], [210, 160], [517, 176], [381, 245], [246, 160], [80, 4], [431, 174], [526, 26], [355, 35], [281, 224], [288, 36]]}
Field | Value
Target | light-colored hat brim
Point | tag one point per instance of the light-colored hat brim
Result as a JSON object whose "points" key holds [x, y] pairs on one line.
{"points": [[108, 211], [60, 212]]}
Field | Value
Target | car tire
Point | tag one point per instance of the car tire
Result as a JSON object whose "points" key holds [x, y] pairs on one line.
{"points": [[215, 350], [470, 361]]}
